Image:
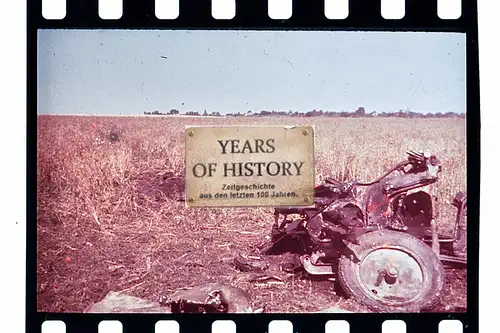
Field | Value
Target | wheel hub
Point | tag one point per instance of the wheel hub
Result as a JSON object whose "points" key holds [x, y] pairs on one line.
{"points": [[392, 272]]}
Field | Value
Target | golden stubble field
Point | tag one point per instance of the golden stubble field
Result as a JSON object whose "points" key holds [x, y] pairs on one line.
{"points": [[109, 218]]}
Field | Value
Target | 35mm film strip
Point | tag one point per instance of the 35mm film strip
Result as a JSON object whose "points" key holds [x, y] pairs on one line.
{"points": [[275, 326], [400, 14], [252, 166], [226, 10]]}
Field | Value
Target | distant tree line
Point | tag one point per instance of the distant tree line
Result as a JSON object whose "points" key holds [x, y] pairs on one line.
{"points": [[359, 113]]}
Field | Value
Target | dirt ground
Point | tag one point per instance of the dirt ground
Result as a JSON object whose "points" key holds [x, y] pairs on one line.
{"points": [[79, 266], [109, 218], [82, 266]]}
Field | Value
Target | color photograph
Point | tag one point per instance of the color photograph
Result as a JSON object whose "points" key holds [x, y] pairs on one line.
{"points": [[382, 145]]}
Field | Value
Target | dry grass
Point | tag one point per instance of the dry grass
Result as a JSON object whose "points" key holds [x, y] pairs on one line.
{"points": [[108, 218]]}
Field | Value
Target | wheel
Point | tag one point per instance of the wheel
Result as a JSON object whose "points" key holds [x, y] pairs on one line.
{"points": [[396, 272]]}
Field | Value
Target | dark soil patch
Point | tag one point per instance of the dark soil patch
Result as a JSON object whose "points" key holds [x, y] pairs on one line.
{"points": [[151, 187]]}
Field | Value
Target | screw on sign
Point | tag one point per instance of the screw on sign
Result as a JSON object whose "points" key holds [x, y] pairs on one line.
{"points": [[218, 157]]}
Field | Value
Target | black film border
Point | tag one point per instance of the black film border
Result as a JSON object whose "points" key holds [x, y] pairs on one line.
{"points": [[252, 15]]}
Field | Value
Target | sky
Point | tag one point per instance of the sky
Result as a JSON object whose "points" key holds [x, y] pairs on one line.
{"points": [[127, 72]]}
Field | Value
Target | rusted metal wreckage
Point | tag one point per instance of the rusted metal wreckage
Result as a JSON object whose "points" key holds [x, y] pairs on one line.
{"points": [[380, 239], [209, 298]]}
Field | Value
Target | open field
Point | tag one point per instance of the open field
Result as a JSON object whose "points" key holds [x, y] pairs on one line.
{"points": [[108, 219]]}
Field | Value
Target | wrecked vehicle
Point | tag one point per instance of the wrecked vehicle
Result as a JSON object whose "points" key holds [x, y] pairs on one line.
{"points": [[380, 239]]}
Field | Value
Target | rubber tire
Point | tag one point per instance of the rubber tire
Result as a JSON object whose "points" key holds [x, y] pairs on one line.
{"points": [[434, 274]]}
